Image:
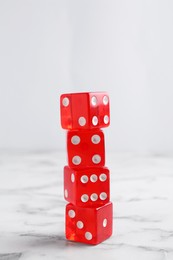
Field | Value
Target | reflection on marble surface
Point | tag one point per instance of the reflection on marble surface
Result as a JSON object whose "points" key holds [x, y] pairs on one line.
{"points": [[32, 209]]}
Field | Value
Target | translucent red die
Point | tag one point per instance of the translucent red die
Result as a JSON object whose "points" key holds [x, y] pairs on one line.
{"points": [[88, 187], [84, 110], [88, 225]]}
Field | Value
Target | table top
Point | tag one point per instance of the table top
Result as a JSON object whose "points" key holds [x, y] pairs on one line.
{"points": [[32, 208]]}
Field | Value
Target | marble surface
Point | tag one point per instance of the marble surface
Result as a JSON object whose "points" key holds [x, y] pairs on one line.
{"points": [[32, 208]]}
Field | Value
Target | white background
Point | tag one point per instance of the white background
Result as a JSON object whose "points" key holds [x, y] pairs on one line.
{"points": [[53, 47]]}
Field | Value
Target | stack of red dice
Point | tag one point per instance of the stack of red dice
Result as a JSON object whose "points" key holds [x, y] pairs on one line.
{"points": [[86, 179]]}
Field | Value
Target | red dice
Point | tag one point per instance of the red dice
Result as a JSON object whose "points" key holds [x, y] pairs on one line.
{"points": [[85, 148], [85, 110], [88, 225], [86, 179], [88, 187]]}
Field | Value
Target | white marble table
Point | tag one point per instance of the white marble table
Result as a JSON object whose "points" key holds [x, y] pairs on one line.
{"points": [[32, 209]]}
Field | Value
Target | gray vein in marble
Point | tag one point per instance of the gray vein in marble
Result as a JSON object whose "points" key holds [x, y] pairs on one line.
{"points": [[12, 256]]}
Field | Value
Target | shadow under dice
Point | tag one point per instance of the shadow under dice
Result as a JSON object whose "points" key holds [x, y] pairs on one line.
{"points": [[85, 148], [88, 187], [84, 110], [88, 225]]}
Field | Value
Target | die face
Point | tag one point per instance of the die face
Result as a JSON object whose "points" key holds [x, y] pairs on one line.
{"points": [[79, 221], [66, 111], [104, 218], [80, 111], [85, 148], [88, 225], [99, 109], [74, 111], [70, 187], [84, 110], [88, 187]]}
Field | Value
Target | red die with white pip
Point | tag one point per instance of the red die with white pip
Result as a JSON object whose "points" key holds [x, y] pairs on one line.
{"points": [[85, 148], [84, 110], [88, 225], [87, 187]]}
